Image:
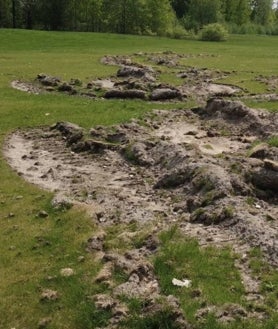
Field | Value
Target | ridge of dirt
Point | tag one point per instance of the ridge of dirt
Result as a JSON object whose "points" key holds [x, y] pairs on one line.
{"points": [[195, 168], [141, 81]]}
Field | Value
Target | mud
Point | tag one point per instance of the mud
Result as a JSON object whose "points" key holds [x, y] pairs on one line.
{"points": [[133, 79], [178, 167], [195, 168], [137, 80]]}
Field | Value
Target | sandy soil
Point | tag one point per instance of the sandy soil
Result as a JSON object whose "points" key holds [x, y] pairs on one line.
{"points": [[195, 168]]}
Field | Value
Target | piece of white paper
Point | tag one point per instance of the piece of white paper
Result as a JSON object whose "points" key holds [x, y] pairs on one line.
{"points": [[181, 283]]}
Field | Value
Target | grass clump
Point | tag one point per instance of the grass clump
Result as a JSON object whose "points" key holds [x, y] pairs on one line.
{"points": [[211, 271], [273, 141], [214, 32]]}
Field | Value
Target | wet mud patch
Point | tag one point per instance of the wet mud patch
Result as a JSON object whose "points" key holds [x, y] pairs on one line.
{"points": [[195, 168]]}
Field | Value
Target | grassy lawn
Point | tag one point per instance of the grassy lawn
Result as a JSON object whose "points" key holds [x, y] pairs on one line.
{"points": [[33, 250]]}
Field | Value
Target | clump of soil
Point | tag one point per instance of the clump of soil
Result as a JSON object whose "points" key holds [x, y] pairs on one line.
{"points": [[135, 80], [203, 157], [197, 168]]}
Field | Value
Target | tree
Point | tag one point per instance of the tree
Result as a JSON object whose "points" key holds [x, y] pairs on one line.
{"points": [[261, 11], [28, 8], [236, 11], [92, 15], [53, 13], [180, 7], [5, 13], [160, 16], [203, 12]]}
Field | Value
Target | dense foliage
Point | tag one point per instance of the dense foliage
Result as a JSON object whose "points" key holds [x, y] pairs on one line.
{"points": [[214, 32], [159, 17]]}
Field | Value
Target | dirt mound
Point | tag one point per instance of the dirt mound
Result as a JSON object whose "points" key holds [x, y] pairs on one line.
{"points": [[177, 168], [132, 78], [122, 173], [25, 86]]}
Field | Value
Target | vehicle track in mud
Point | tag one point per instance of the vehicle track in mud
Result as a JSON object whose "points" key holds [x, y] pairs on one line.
{"points": [[192, 168]]}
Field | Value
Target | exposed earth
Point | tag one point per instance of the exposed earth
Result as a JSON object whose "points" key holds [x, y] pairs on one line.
{"points": [[138, 77], [209, 170]]}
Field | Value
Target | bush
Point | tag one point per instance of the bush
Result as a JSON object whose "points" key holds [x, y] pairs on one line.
{"points": [[214, 32]]}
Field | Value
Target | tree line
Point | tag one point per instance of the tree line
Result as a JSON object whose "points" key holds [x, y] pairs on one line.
{"points": [[149, 17]]}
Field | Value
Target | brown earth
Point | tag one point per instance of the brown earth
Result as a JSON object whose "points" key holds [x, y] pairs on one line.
{"points": [[195, 168], [198, 169], [135, 80]]}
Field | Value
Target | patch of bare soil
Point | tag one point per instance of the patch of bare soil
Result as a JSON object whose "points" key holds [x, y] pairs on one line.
{"points": [[270, 81], [133, 80], [136, 80], [195, 168], [25, 86]]}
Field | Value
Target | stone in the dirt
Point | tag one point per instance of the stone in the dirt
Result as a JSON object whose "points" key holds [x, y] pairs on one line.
{"points": [[271, 165], [49, 295], [213, 214], [203, 179], [67, 272], [60, 201], [67, 128], [259, 151], [164, 94], [116, 60], [96, 242], [265, 178], [151, 243], [42, 214], [104, 302], [48, 80], [65, 87], [75, 137], [133, 71], [118, 137], [75, 82], [226, 313], [129, 93], [50, 89], [175, 178], [94, 146], [71, 131], [138, 153], [234, 109], [170, 306], [105, 274], [43, 323]]}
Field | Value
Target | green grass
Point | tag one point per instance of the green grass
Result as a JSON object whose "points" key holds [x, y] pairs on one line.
{"points": [[213, 273], [33, 249], [211, 270], [273, 141]]}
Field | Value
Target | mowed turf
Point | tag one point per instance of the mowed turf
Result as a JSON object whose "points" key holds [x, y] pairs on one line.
{"points": [[34, 249]]}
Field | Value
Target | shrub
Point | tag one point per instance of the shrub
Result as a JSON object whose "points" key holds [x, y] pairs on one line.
{"points": [[214, 32]]}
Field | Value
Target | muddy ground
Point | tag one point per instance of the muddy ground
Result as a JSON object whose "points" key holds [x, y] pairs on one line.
{"points": [[196, 168], [138, 77], [209, 170]]}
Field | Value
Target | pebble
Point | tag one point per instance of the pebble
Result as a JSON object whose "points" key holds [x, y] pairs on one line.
{"points": [[43, 323], [42, 214], [67, 272]]}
